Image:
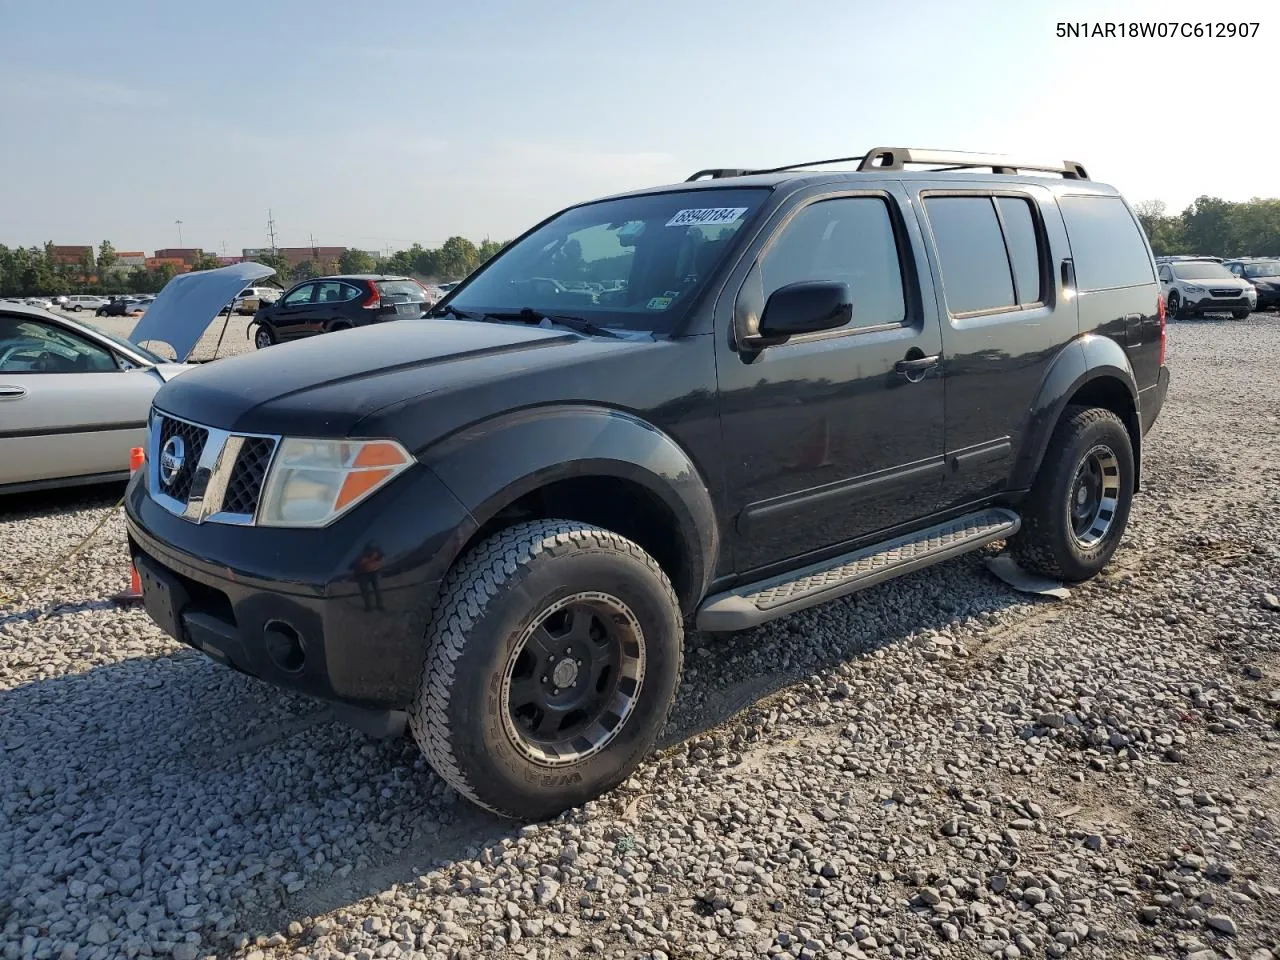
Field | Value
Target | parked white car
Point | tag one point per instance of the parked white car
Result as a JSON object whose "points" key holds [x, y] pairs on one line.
{"points": [[74, 399], [82, 302], [1195, 287]]}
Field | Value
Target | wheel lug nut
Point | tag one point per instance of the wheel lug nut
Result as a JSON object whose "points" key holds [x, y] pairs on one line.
{"points": [[555, 691], [568, 650], [544, 679], [579, 663]]}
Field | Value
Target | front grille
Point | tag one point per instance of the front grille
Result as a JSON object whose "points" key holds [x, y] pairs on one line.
{"points": [[1225, 293], [193, 440], [247, 476]]}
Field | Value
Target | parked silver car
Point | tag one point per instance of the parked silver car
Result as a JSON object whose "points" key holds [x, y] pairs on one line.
{"points": [[74, 399]]}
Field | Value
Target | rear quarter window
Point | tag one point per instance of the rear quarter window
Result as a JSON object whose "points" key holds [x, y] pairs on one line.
{"points": [[1107, 245]]}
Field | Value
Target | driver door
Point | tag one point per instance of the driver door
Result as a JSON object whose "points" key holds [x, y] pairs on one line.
{"points": [[68, 407]]}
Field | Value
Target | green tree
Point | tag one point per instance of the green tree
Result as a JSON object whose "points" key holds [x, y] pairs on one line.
{"points": [[284, 271], [488, 250], [161, 275], [426, 263], [401, 261], [139, 280], [206, 261], [458, 257], [106, 259], [356, 261], [306, 270]]}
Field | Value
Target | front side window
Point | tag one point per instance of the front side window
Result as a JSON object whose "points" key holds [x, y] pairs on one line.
{"points": [[300, 296], [33, 346], [849, 239], [1106, 243], [634, 263]]}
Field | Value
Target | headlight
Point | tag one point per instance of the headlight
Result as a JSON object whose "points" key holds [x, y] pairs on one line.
{"points": [[1194, 288], [313, 482]]}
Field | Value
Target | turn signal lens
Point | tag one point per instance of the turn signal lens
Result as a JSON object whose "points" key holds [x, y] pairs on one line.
{"points": [[313, 482]]}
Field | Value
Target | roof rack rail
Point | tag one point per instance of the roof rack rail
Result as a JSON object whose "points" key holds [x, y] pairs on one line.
{"points": [[897, 158], [716, 173]]}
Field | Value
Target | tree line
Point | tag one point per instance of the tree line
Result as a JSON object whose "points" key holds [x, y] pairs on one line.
{"points": [[1213, 227], [35, 271]]}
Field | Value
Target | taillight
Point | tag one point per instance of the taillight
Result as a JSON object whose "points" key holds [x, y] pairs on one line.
{"points": [[374, 300], [1163, 325]]}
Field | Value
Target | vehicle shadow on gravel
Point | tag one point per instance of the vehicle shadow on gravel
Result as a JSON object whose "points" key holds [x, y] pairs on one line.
{"points": [[196, 797]]}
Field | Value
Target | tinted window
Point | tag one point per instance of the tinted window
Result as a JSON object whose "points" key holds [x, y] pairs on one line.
{"points": [[405, 291], [1106, 243], [300, 295], [850, 240], [1024, 247], [33, 346], [1269, 269], [975, 266], [332, 291], [632, 263]]}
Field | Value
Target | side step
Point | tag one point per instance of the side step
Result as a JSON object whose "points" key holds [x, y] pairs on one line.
{"points": [[755, 603]]}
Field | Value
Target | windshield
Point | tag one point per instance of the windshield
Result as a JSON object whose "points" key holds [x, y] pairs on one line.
{"points": [[632, 263], [1202, 271], [1270, 268]]}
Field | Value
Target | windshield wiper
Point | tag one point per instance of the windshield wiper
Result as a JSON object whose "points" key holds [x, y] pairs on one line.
{"points": [[449, 308], [578, 324]]}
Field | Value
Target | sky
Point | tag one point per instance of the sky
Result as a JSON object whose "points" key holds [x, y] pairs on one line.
{"points": [[376, 125]]}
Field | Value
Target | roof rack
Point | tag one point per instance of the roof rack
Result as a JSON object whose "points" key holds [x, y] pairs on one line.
{"points": [[897, 158]]}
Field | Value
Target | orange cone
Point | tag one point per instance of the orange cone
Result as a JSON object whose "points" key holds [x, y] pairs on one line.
{"points": [[136, 458]]}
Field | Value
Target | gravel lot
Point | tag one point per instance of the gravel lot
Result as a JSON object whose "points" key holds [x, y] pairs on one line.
{"points": [[937, 767]]}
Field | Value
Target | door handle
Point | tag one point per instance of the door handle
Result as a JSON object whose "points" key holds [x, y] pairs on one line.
{"points": [[12, 393], [914, 370]]}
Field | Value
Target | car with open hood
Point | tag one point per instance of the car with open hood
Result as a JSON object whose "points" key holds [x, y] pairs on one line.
{"points": [[74, 399]]}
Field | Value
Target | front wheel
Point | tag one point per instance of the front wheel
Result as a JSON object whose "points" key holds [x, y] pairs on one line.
{"points": [[552, 662], [76, 308], [1174, 306], [1079, 504]]}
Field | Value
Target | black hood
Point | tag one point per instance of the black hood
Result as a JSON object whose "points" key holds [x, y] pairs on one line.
{"points": [[324, 385]]}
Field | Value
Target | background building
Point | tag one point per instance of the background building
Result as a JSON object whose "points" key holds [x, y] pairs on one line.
{"points": [[188, 255]]}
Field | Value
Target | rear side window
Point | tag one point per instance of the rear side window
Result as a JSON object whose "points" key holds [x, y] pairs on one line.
{"points": [[1106, 244], [990, 250], [849, 239], [975, 266]]}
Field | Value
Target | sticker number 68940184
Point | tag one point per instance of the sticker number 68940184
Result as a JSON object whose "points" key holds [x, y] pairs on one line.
{"points": [[702, 216]]}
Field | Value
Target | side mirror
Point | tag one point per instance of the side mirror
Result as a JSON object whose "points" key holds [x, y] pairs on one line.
{"points": [[806, 307]]}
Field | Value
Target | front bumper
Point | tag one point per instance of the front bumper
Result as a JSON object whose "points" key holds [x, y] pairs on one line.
{"points": [[1219, 304], [309, 609], [1268, 298]]}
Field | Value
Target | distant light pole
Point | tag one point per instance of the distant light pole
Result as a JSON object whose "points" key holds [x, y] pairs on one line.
{"points": [[179, 223]]}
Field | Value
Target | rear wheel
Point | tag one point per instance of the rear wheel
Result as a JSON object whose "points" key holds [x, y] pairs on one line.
{"points": [[553, 659], [263, 337], [1079, 504], [339, 325], [76, 308]]}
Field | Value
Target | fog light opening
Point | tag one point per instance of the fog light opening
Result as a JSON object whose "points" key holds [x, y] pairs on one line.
{"points": [[284, 645]]}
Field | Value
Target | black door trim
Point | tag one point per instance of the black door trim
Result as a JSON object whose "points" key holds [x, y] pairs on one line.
{"points": [[988, 451], [848, 491], [79, 428]]}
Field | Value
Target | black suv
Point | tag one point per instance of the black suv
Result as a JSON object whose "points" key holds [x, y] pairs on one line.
{"points": [[1264, 274], [326, 304], [775, 388]]}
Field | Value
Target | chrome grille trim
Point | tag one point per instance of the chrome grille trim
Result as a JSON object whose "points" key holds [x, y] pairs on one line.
{"points": [[210, 478]]}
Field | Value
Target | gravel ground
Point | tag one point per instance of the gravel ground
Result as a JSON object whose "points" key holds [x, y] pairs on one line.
{"points": [[938, 767]]}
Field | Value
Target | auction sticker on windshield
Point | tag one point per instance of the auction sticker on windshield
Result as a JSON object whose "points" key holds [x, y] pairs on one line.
{"points": [[702, 216]]}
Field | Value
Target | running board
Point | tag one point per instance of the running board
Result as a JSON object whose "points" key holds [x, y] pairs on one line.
{"points": [[755, 603]]}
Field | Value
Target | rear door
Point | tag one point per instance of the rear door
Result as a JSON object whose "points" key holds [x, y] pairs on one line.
{"points": [[1004, 319], [295, 313], [67, 407]]}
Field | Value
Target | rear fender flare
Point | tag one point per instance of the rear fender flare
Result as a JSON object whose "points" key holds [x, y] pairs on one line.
{"points": [[491, 464], [1084, 360]]}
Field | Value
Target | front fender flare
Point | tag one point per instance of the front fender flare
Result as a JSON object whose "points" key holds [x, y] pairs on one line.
{"points": [[491, 464], [1086, 359]]}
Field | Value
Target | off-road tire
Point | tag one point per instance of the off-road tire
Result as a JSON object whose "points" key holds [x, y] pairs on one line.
{"points": [[1045, 545], [486, 602]]}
